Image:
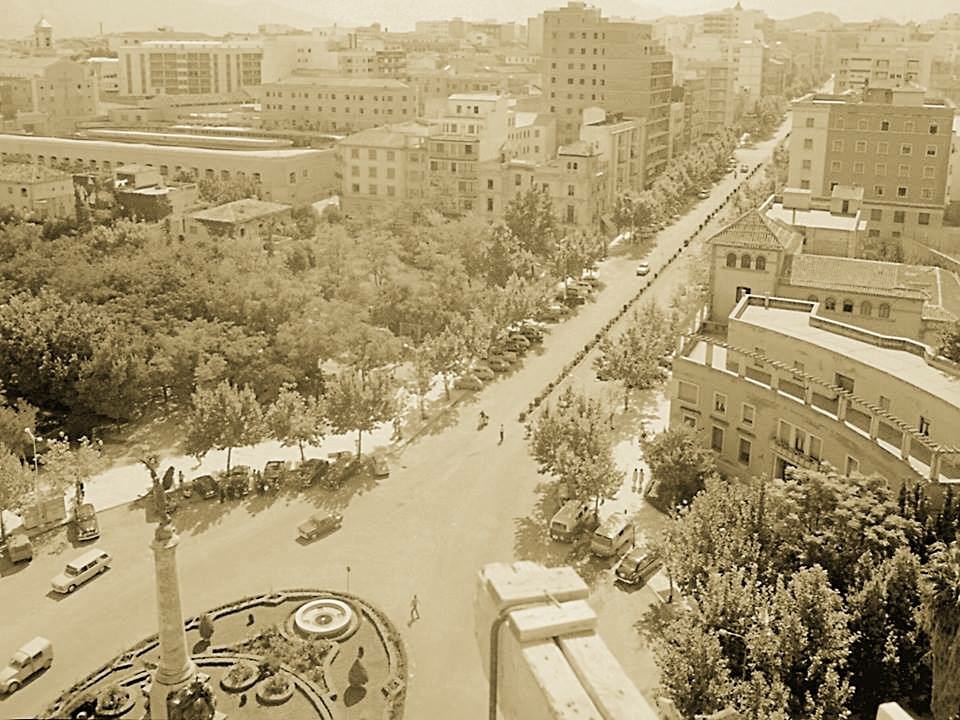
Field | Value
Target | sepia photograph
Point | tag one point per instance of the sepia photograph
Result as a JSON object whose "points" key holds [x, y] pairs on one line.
{"points": [[510, 360]]}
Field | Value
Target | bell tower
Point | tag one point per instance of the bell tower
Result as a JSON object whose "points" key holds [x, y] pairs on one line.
{"points": [[43, 37]]}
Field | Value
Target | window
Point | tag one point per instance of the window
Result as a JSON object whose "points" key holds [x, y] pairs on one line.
{"points": [[807, 164], [899, 216], [835, 166], [804, 184], [878, 190], [761, 263], [689, 392], [853, 466], [931, 151], [858, 168], [861, 146], [862, 124], [745, 261], [716, 439], [929, 171], [355, 187], [720, 403], [926, 193], [924, 426], [884, 310], [808, 122], [747, 414], [876, 215], [690, 420], [848, 306], [903, 171], [908, 126], [814, 447], [838, 146], [830, 303], [489, 204], [372, 154], [293, 178], [743, 453], [884, 125], [731, 260], [906, 149], [371, 172], [880, 169], [843, 381], [883, 148], [354, 153], [808, 144], [571, 190], [901, 191], [934, 128], [373, 189]]}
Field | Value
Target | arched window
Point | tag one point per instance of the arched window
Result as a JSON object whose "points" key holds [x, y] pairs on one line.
{"points": [[847, 305], [884, 310], [732, 260], [745, 261], [761, 263], [866, 308], [830, 303]]}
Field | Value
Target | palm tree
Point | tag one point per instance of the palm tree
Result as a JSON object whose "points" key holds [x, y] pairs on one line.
{"points": [[941, 610]]}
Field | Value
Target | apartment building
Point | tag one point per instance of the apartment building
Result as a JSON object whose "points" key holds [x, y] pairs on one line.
{"points": [[898, 62], [588, 60], [693, 94], [735, 23], [758, 255], [718, 91], [47, 94], [335, 103], [37, 191], [177, 67], [619, 141], [575, 181], [106, 70], [531, 136], [294, 175], [895, 144], [473, 130], [383, 164]]}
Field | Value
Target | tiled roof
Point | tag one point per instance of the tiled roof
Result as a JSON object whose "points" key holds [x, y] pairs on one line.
{"points": [[239, 211], [22, 173], [756, 231], [871, 277]]}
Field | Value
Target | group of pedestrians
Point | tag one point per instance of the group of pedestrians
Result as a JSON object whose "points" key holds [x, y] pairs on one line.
{"points": [[484, 420]]}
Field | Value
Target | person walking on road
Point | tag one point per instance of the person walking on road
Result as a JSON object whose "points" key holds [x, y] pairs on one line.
{"points": [[635, 474], [501, 434], [414, 609]]}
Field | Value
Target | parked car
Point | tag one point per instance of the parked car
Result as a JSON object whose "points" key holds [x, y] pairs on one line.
{"points": [[312, 470], [703, 194], [509, 355], [206, 485], [468, 382], [274, 472], [381, 468], [87, 566], [238, 481], [636, 566], [744, 168], [519, 338], [319, 524], [569, 520], [517, 345], [85, 522], [31, 658], [483, 372], [498, 364], [643, 269], [531, 331], [554, 312], [343, 466], [19, 548], [613, 535]]}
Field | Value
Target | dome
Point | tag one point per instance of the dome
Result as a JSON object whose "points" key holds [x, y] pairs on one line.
{"points": [[43, 25]]}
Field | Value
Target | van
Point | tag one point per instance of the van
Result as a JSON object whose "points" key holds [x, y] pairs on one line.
{"points": [[77, 572], [568, 521], [30, 659], [614, 534], [19, 548]]}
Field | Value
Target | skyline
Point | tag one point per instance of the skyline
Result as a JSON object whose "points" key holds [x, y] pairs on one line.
{"points": [[84, 18]]}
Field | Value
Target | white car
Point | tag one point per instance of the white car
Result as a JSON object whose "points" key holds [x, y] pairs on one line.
{"points": [[87, 566], [643, 269]]}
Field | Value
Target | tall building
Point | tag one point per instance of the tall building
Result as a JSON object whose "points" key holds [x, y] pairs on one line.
{"points": [[335, 103], [620, 143], [894, 144], [194, 67], [736, 23], [588, 60], [43, 38], [47, 94]]}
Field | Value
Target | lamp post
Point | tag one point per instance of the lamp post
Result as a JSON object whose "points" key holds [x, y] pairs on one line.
{"points": [[36, 469], [348, 578]]}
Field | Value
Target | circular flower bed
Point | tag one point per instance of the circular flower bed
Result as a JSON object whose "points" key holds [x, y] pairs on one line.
{"points": [[114, 701], [275, 690], [241, 676]]}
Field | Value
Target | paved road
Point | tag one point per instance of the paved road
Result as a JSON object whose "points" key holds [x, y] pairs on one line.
{"points": [[456, 500]]}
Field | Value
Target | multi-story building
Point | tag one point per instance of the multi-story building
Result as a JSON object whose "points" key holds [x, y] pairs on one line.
{"points": [[176, 67], [531, 136], [721, 98], [677, 112], [383, 164], [334, 103], [693, 93], [895, 144], [619, 141], [292, 175], [587, 60], [575, 181], [106, 70], [788, 388], [434, 86], [735, 23], [47, 94], [473, 131], [36, 191]]}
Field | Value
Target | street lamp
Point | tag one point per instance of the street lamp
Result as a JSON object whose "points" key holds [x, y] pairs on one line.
{"points": [[730, 633], [348, 578], [36, 469]]}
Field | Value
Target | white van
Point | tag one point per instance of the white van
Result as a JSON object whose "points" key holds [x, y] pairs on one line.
{"points": [[91, 563], [33, 657], [614, 534], [568, 521]]}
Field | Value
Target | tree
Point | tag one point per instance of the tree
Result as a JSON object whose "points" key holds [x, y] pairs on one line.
{"points": [[16, 485], [679, 465], [66, 464], [222, 418], [295, 420], [361, 402], [218, 192], [421, 359], [950, 342], [940, 589], [634, 357], [15, 420], [693, 668], [530, 219], [206, 628], [571, 440]]}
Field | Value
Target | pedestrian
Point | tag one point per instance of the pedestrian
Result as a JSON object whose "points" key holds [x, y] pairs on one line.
{"points": [[223, 492], [180, 477], [501, 434], [243, 699], [414, 608], [635, 473], [640, 484], [250, 619]]}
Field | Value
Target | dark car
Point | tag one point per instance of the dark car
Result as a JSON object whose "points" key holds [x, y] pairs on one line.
{"points": [[274, 472], [238, 481], [516, 345], [497, 364], [86, 523], [637, 566], [206, 485], [520, 339], [312, 470], [531, 333]]}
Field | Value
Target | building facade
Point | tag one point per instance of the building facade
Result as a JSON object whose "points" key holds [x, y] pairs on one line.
{"points": [[335, 103], [47, 94], [188, 67], [36, 191]]}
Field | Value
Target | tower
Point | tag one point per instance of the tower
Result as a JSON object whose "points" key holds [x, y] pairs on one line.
{"points": [[43, 37]]}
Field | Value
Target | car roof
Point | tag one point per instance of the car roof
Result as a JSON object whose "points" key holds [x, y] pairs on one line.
{"points": [[32, 647], [91, 554], [613, 524]]}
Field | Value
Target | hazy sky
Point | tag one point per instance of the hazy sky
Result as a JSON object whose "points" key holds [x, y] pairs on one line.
{"points": [[83, 17]]}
